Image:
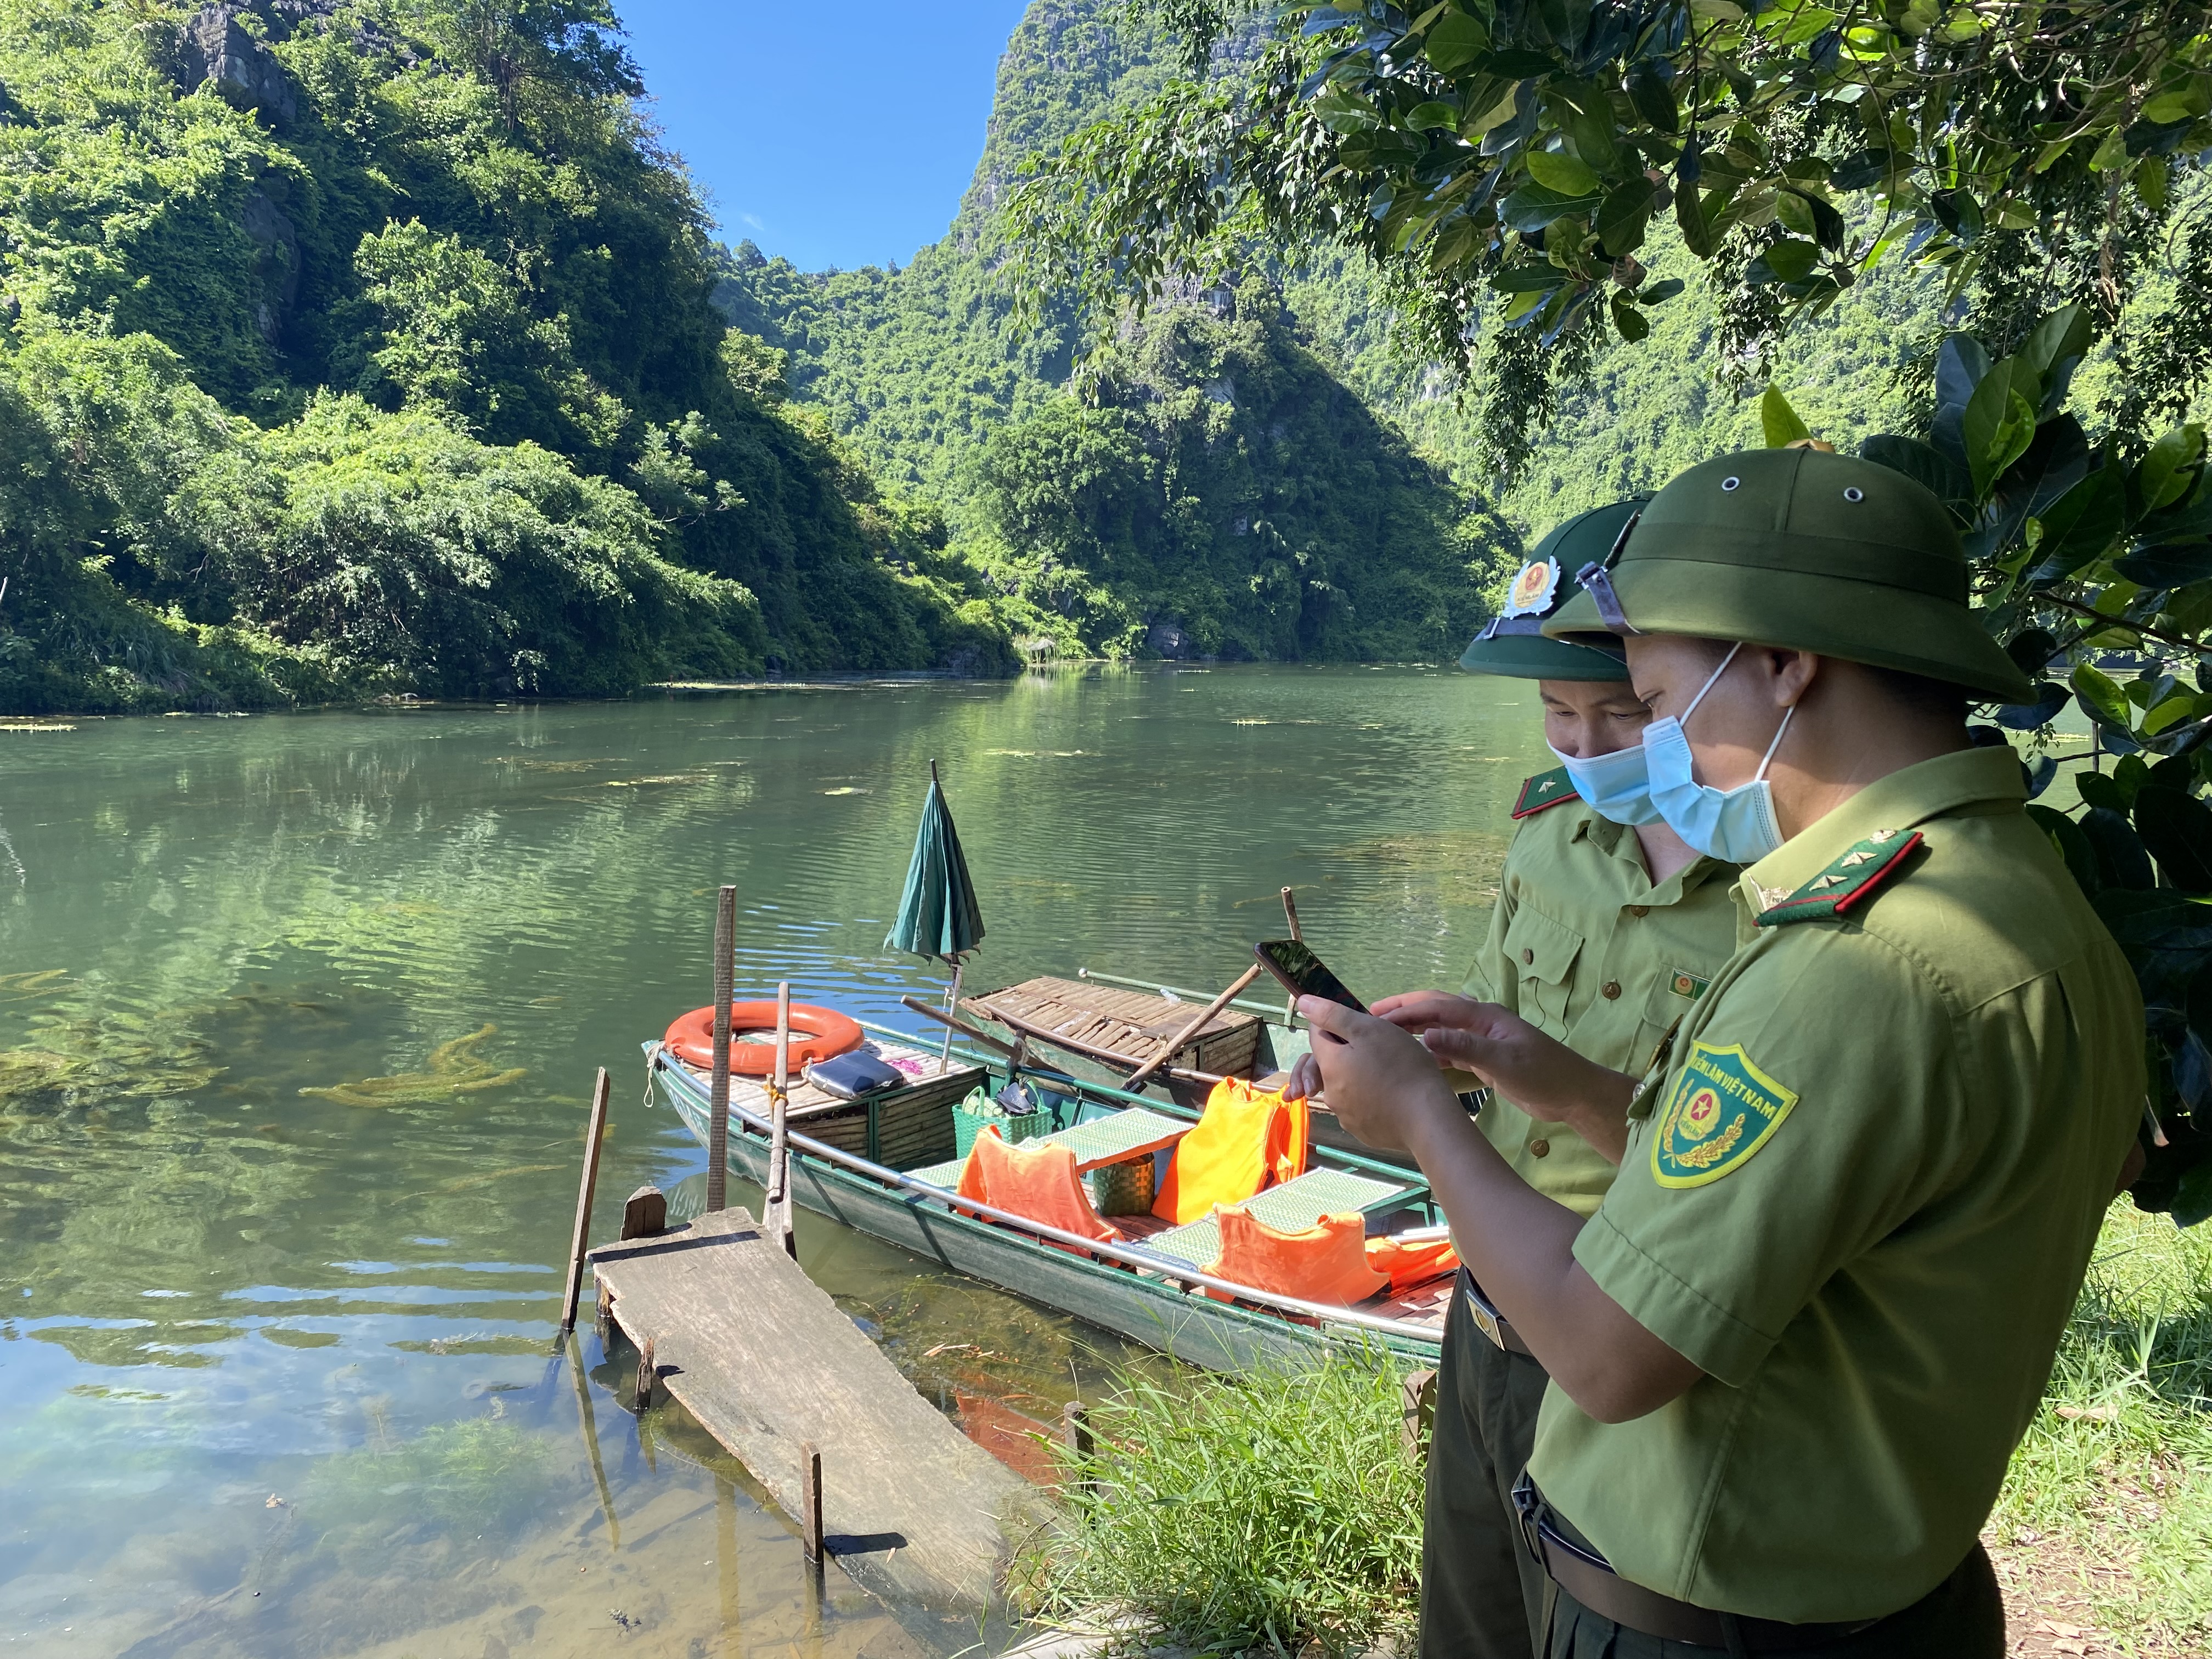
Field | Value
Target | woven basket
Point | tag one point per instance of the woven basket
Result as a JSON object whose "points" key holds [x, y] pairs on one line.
{"points": [[1122, 1188]]}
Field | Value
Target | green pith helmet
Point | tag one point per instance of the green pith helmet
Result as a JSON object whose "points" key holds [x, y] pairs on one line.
{"points": [[1815, 552], [1513, 643]]}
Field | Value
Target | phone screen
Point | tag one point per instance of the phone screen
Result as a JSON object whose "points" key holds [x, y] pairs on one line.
{"points": [[1302, 972]]}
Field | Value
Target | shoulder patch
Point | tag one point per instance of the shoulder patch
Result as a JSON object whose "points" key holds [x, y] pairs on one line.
{"points": [[1720, 1111], [1862, 868], [1544, 789]]}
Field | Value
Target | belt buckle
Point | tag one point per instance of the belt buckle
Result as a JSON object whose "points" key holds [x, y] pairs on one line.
{"points": [[1528, 1502], [1487, 1319]]}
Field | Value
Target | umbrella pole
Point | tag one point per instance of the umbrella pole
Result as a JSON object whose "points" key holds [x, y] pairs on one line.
{"points": [[778, 1147], [951, 1006], [717, 1095]]}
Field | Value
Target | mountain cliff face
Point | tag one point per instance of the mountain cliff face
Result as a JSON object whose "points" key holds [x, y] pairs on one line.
{"points": [[1211, 487], [348, 348]]}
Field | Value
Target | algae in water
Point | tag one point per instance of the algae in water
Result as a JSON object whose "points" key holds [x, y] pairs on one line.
{"points": [[453, 1068]]}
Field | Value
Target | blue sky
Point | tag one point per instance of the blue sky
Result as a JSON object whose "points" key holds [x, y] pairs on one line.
{"points": [[837, 136]]}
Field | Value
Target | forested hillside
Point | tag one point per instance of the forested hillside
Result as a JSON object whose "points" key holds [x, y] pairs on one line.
{"points": [[360, 346], [919, 366]]}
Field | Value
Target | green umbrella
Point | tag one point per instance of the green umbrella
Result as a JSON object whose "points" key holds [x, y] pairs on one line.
{"points": [[938, 915]]}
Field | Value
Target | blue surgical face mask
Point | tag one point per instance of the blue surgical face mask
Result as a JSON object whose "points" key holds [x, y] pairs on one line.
{"points": [[1736, 824], [1615, 786]]}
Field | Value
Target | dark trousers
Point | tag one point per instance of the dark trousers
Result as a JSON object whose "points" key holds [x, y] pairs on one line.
{"points": [[1482, 1594], [1962, 1618]]}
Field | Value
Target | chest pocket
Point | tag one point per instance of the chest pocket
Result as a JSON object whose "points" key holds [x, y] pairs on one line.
{"points": [[1544, 951], [1674, 992]]}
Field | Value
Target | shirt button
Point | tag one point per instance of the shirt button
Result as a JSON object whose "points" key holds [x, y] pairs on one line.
{"points": [[1528, 956], [1639, 909], [1540, 1148], [1612, 989]]}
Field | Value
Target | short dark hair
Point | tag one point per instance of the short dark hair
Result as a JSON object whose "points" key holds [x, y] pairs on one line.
{"points": [[1929, 698]]}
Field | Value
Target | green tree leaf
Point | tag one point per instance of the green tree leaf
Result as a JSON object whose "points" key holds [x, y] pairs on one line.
{"points": [[1780, 420], [1998, 425], [2082, 525], [2099, 697], [2170, 469], [1558, 171], [1622, 219], [1456, 41]]}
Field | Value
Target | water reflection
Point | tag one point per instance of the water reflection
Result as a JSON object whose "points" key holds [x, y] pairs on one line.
{"points": [[298, 1018]]}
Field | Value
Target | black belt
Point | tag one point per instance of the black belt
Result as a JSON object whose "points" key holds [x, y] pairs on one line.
{"points": [[1591, 1581], [1487, 1320]]}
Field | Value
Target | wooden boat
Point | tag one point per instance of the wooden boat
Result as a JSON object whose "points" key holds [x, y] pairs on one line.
{"points": [[1150, 1285], [1106, 1027]]}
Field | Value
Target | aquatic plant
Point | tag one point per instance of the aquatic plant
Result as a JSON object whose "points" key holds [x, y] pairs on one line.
{"points": [[1262, 1511], [108, 1058], [454, 1068], [25, 987], [479, 1471]]}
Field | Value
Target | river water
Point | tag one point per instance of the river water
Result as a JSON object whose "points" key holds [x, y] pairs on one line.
{"points": [[298, 1016]]}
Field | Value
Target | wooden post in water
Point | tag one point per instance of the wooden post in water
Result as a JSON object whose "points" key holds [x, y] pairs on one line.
{"points": [[645, 1215], [647, 1373], [1417, 1413], [778, 1147], [1138, 1077], [717, 1097], [1075, 1434], [581, 1240], [810, 1502]]}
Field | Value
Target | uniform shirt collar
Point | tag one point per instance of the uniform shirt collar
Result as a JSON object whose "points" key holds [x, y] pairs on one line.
{"points": [[1903, 800], [1618, 840]]}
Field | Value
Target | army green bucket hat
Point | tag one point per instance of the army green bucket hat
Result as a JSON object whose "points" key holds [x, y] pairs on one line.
{"points": [[1512, 643], [1803, 549]]}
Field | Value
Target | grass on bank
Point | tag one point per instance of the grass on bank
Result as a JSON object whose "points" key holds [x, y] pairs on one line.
{"points": [[1267, 1511], [1240, 1513], [2118, 1462]]}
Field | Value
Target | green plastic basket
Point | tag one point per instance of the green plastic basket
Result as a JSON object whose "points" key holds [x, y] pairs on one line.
{"points": [[971, 1115]]}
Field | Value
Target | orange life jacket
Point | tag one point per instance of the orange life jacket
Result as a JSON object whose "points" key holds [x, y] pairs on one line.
{"points": [[1037, 1181], [1326, 1262], [1409, 1265], [1248, 1139]]}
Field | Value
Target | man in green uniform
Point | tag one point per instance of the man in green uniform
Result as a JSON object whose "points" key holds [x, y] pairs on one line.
{"points": [[1794, 1348], [1605, 932]]}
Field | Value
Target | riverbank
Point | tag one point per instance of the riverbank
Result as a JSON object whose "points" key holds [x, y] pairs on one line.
{"points": [[1277, 1511]]}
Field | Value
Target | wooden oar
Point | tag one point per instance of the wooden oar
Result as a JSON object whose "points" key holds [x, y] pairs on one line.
{"points": [[1291, 913], [1167, 1049], [961, 1026]]}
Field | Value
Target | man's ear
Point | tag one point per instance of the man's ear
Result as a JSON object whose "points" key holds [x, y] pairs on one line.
{"points": [[1794, 674]]}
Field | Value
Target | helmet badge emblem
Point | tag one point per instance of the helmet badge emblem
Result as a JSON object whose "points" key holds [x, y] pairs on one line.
{"points": [[1532, 588]]}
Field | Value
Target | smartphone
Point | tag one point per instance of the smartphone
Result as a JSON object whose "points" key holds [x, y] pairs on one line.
{"points": [[1303, 972]]}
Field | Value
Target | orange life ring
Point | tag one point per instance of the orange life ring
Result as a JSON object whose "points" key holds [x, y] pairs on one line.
{"points": [[816, 1034]]}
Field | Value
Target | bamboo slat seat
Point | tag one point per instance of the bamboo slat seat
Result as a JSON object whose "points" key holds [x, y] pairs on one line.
{"points": [[1105, 1023], [1291, 1207], [1115, 1138]]}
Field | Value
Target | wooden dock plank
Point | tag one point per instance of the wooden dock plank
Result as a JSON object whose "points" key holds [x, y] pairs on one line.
{"points": [[767, 1362]]}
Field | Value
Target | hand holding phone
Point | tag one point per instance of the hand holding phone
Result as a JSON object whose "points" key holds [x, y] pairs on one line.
{"points": [[1303, 972]]}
